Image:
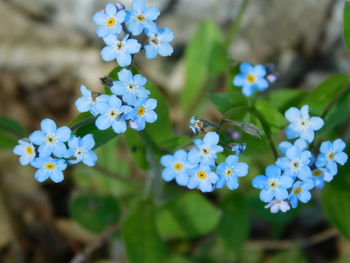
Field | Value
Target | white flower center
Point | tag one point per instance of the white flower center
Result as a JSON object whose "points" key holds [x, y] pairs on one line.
{"points": [[131, 87], [204, 151], [303, 124], [330, 156], [113, 114], [50, 139], [228, 171], [120, 46], [140, 18], [154, 41], [79, 152], [273, 183], [295, 165]]}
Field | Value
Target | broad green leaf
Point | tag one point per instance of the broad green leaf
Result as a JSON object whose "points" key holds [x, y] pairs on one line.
{"points": [[235, 222], [141, 239], [227, 101], [11, 126], [346, 24], [197, 62], [85, 116], [269, 115], [190, 215], [326, 94], [94, 212], [7, 141], [336, 203], [137, 148], [176, 143], [283, 99], [218, 61]]}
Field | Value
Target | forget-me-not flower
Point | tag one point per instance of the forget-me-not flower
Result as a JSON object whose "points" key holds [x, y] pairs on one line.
{"points": [[158, 43], [120, 50], [50, 139], [177, 166], [276, 206], [109, 21], [331, 154], [113, 113], [206, 150], [203, 178], [273, 185], [321, 175], [143, 112], [80, 150], [229, 171], [251, 78], [284, 146], [300, 191], [301, 125], [142, 17], [25, 150], [130, 87], [89, 100], [49, 167]]}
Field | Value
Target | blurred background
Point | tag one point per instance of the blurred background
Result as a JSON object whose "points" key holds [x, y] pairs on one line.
{"points": [[49, 48]]}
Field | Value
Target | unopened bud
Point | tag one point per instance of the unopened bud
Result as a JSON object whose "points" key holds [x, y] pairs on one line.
{"points": [[106, 81], [250, 129]]}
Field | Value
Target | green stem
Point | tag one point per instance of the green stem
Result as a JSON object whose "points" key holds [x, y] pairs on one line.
{"points": [[82, 123], [112, 174], [235, 24]]}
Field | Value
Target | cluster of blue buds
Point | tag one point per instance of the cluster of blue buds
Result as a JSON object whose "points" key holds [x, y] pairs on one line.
{"points": [[299, 170], [52, 149], [253, 78], [121, 29], [197, 168]]}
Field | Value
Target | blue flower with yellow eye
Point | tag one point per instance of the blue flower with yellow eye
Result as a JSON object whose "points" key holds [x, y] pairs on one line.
{"points": [[331, 154], [120, 50], [251, 78], [142, 17], [300, 191], [143, 112], [158, 43], [80, 150], [26, 151], [109, 21], [50, 139], [49, 167], [273, 184], [130, 87], [229, 171], [177, 166], [203, 178]]}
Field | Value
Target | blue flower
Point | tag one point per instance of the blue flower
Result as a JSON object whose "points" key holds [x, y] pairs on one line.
{"points": [[251, 78], [331, 154], [276, 206], [49, 168], [321, 175], [284, 146], [143, 112], [130, 87], [273, 185], [141, 17], [300, 191], [238, 148], [296, 163], [89, 100], [206, 149], [177, 166], [158, 43], [113, 113], [203, 178], [301, 125], [50, 139], [25, 150], [109, 21], [120, 50], [80, 149], [229, 171]]}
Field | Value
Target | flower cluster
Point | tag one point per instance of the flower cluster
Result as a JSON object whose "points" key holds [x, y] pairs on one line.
{"points": [[299, 170], [252, 78], [121, 28], [51, 149], [129, 102], [197, 168]]}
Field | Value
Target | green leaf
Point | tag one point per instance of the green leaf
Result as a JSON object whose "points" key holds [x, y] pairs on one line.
{"points": [[218, 62], [7, 141], [269, 115], [336, 203], [176, 143], [346, 24], [137, 148], [190, 215], [81, 117], [11, 126], [227, 101], [235, 222], [326, 94], [94, 212], [141, 239], [197, 62], [283, 99]]}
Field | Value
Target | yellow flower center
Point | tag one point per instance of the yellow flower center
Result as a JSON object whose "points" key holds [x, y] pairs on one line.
{"points": [[29, 150], [202, 175], [298, 190], [251, 78], [111, 21], [228, 171], [140, 18], [141, 110], [178, 166], [273, 183], [317, 173], [49, 166]]}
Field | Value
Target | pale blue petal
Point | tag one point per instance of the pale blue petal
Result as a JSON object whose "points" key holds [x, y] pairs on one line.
{"points": [[260, 182], [283, 162], [152, 13], [305, 196], [100, 18], [167, 160], [286, 181], [291, 133], [138, 5], [82, 104], [133, 46], [292, 115], [316, 123], [108, 53], [232, 160], [182, 179], [326, 147], [239, 80], [232, 182], [193, 182], [102, 31], [57, 176], [281, 194], [211, 139], [110, 9], [119, 126], [151, 116], [59, 150], [90, 158], [103, 122], [37, 137], [338, 145], [135, 28], [341, 158], [165, 50], [273, 171], [45, 150], [151, 52], [284, 146], [88, 141], [266, 195], [41, 175], [248, 90], [259, 70], [241, 169], [124, 59], [63, 134], [246, 67], [48, 126]]}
